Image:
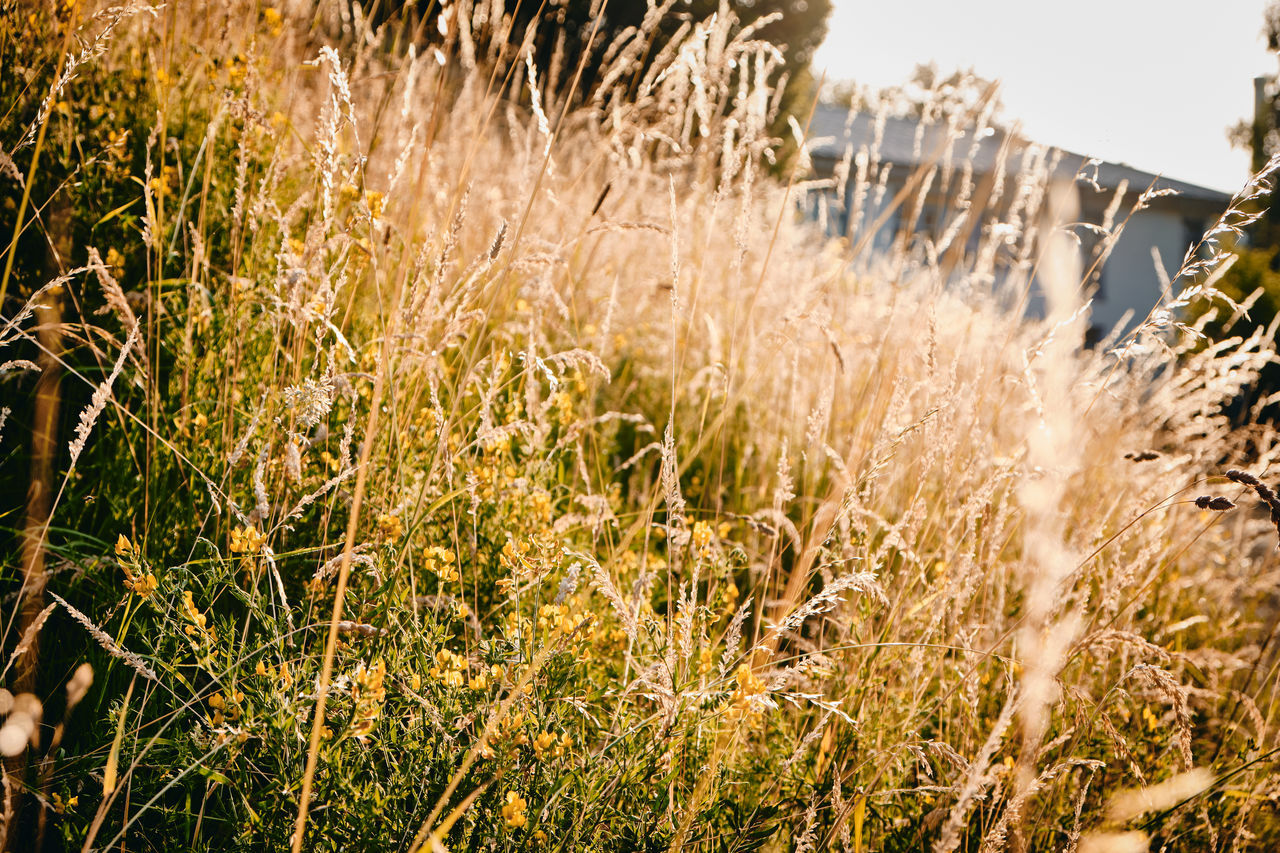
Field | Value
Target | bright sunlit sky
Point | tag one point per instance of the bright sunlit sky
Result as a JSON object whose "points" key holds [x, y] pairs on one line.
{"points": [[1151, 83]]}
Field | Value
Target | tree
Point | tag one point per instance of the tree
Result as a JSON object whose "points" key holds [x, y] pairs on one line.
{"points": [[1254, 279], [564, 30]]}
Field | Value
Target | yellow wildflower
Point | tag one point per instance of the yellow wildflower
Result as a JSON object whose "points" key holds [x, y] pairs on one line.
{"points": [[368, 692], [440, 563], [513, 812], [701, 537], [246, 540], [541, 502], [274, 20], [543, 742], [448, 668], [390, 527]]}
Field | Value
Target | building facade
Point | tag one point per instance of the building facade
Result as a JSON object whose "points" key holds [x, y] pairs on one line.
{"points": [[891, 184]]}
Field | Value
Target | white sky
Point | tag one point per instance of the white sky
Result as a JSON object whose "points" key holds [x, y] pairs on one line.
{"points": [[1151, 83]]}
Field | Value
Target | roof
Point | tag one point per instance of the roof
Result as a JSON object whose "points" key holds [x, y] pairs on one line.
{"points": [[835, 129]]}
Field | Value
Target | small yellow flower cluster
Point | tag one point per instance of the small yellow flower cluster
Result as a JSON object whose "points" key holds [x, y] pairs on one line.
{"points": [[563, 404], [1152, 721], [749, 687], [231, 704], [440, 562], [540, 503], [704, 660], [429, 417], [368, 693], [376, 202], [546, 742], [482, 479], [168, 174], [495, 446], [730, 596], [135, 580], [560, 619], [512, 729], [554, 617], [115, 260], [701, 537], [60, 805], [329, 461], [448, 668], [630, 561], [527, 559], [143, 584], [237, 68], [390, 527], [611, 640], [516, 627], [199, 622], [273, 20], [246, 540], [513, 812], [497, 672], [748, 683]]}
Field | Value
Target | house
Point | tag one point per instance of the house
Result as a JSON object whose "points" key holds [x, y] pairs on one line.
{"points": [[944, 170]]}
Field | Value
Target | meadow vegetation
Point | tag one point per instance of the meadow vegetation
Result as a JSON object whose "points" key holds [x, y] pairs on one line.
{"points": [[400, 452]]}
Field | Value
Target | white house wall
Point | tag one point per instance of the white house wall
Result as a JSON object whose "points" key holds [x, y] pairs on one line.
{"points": [[1130, 281]]}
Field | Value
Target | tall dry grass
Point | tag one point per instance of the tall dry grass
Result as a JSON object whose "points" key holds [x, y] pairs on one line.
{"points": [[465, 463]]}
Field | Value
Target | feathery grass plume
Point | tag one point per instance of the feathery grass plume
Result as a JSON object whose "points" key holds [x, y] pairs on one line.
{"points": [[104, 640], [1132, 803], [89, 415], [116, 300], [826, 600], [604, 583], [1176, 694], [976, 779], [997, 837], [29, 636]]}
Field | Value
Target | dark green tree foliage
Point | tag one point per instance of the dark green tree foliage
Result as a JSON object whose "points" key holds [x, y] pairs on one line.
{"points": [[1255, 276], [564, 31]]}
